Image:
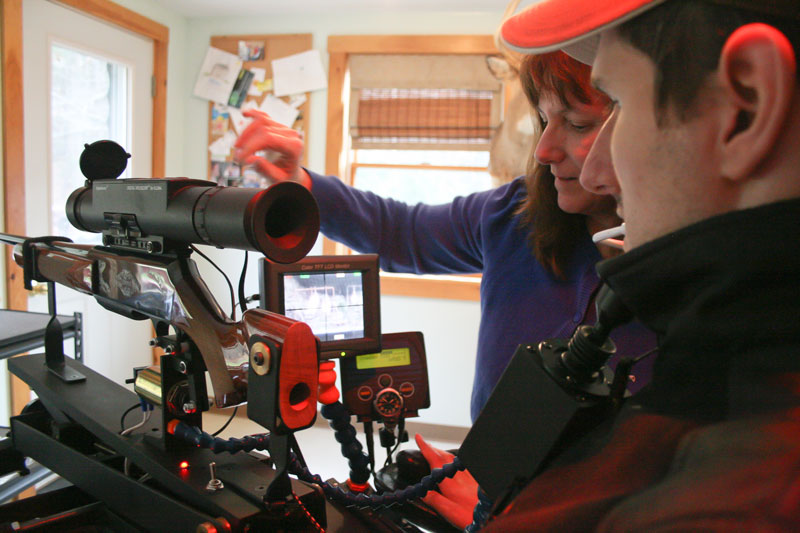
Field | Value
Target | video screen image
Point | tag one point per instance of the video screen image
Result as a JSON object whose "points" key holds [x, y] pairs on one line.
{"points": [[332, 304]]}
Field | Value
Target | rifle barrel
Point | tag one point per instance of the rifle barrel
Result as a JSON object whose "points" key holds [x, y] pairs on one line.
{"points": [[11, 239]]}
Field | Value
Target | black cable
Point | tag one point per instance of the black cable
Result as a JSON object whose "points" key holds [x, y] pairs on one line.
{"points": [[230, 419], [648, 353], [308, 514], [250, 298], [368, 434], [228, 281], [242, 300], [622, 374], [128, 410], [401, 428]]}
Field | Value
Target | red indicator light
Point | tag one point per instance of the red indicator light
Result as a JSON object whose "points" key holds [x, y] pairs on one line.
{"points": [[184, 464]]}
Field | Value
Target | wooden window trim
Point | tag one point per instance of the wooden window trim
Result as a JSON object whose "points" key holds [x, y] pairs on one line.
{"points": [[339, 48], [356, 165]]}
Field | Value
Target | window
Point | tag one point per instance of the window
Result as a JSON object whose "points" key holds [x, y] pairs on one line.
{"points": [[89, 99], [414, 176], [417, 114]]}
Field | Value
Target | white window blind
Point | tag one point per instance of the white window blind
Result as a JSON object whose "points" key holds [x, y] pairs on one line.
{"points": [[433, 102]]}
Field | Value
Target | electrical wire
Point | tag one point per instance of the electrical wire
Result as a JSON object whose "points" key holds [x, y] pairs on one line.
{"points": [[308, 513], [242, 299], [401, 427], [250, 298], [648, 353], [368, 434], [227, 280], [147, 409], [230, 419], [128, 410], [145, 418]]}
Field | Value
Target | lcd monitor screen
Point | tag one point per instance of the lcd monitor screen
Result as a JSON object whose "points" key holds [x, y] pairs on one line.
{"points": [[337, 296]]}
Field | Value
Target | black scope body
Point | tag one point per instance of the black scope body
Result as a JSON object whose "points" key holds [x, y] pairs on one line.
{"points": [[156, 214]]}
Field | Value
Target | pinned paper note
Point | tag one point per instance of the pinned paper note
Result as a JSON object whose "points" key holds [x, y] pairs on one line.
{"points": [[257, 87], [219, 120], [240, 121], [221, 148], [279, 110], [296, 100], [217, 75], [298, 73], [251, 50]]}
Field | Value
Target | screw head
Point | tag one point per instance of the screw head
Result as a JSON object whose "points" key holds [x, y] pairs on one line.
{"points": [[260, 358]]}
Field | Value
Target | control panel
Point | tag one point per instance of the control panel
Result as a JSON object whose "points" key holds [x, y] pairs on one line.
{"points": [[385, 385]]}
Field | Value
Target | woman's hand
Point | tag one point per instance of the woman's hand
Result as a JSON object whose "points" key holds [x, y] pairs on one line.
{"points": [[458, 496], [264, 134]]}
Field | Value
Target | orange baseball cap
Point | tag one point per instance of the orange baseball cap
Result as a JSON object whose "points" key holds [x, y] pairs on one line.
{"points": [[573, 26]]}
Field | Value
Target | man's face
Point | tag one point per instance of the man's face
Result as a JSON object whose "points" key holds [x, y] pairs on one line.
{"points": [[662, 171]]}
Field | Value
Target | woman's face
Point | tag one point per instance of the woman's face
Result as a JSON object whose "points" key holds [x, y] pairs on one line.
{"points": [[569, 131]]}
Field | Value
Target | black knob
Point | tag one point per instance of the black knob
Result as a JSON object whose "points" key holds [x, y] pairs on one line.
{"points": [[103, 160]]}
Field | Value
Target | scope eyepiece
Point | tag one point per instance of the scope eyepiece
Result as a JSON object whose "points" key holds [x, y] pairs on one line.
{"points": [[158, 215]]}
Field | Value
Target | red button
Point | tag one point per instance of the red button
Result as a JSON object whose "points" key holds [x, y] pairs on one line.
{"points": [[365, 394], [407, 388]]}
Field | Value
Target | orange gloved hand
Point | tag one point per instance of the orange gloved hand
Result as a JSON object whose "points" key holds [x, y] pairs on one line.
{"points": [[263, 134], [457, 497]]}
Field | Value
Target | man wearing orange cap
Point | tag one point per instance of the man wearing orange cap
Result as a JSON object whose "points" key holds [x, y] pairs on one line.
{"points": [[705, 142]]}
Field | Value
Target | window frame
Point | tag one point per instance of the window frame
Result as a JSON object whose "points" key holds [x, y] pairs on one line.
{"points": [[337, 142]]}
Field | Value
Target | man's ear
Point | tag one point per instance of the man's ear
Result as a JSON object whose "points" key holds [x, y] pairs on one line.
{"points": [[757, 74]]}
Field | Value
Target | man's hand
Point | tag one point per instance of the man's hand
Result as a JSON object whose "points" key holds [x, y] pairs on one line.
{"points": [[458, 496], [264, 134]]}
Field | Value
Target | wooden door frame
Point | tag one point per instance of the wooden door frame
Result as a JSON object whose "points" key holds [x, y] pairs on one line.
{"points": [[14, 127]]}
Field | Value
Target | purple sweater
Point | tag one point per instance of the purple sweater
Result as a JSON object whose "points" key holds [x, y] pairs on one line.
{"points": [[521, 302]]}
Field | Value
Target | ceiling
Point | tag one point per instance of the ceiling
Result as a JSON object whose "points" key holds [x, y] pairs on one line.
{"points": [[225, 8]]}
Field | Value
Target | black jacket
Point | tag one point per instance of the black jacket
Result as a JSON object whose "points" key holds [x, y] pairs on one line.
{"points": [[713, 443]]}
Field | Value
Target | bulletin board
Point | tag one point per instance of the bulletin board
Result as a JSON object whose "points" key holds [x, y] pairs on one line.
{"points": [[273, 47]]}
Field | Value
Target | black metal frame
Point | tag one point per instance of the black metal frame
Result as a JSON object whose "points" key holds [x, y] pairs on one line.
{"points": [[74, 431], [81, 418]]}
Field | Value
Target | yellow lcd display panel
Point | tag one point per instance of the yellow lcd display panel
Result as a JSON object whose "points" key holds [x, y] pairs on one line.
{"points": [[387, 358]]}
